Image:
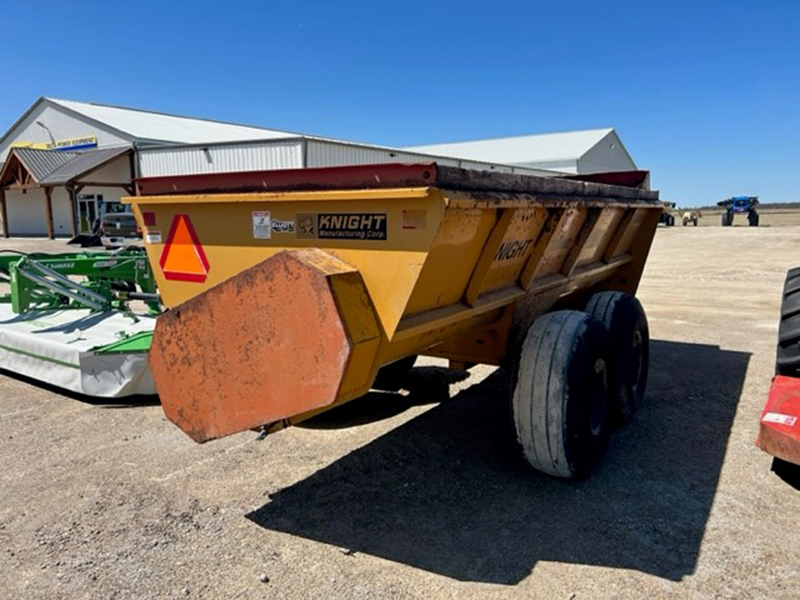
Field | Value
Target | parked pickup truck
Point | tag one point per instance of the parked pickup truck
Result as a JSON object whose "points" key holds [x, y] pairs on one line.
{"points": [[119, 230]]}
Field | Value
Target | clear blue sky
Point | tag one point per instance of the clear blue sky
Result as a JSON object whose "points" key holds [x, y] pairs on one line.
{"points": [[705, 94]]}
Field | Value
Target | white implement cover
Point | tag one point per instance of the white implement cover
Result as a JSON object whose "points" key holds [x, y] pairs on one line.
{"points": [[56, 347]]}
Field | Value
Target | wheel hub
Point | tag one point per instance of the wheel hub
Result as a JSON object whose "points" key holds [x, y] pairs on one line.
{"points": [[597, 416]]}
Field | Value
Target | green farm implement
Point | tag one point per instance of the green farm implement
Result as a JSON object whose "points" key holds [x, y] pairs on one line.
{"points": [[112, 279], [80, 321]]}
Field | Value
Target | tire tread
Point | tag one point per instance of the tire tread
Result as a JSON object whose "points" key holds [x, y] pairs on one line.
{"points": [[540, 395], [787, 360]]}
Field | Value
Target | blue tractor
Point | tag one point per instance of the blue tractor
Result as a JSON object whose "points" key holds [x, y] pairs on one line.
{"points": [[741, 205]]}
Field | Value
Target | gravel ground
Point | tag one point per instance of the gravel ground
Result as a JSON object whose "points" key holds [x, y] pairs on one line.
{"points": [[418, 495]]}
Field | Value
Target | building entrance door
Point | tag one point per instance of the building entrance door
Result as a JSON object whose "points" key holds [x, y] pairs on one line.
{"points": [[87, 214]]}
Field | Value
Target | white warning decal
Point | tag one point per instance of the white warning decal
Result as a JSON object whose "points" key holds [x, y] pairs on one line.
{"points": [[772, 417], [262, 225]]}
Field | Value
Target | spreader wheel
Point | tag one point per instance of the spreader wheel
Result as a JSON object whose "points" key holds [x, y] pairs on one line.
{"points": [[629, 347], [561, 397]]}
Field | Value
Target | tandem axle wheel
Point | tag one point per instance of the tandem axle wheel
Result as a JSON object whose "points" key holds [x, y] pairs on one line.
{"points": [[579, 374]]}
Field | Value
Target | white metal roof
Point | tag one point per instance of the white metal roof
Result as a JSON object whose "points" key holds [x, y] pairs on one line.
{"points": [[569, 145], [155, 126]]}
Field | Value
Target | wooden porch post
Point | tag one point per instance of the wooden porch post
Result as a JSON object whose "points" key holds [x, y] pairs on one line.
{"points": [[4, 212], [72, 202], [48, 210]]}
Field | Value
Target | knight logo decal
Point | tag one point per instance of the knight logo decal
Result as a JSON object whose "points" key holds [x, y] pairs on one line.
{"points": [[342, 226], [512, 249], [307, 226]]}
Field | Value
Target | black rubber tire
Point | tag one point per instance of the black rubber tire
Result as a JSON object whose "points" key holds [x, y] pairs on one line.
{"points": [[629, 348], [788, 355], [752, 219], [671, 221], [788, 472], [560, 400], [392, 377], [727, 219]]}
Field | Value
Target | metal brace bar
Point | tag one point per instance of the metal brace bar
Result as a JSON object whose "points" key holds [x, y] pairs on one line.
{"points": [[71, 290], [63, 279]]}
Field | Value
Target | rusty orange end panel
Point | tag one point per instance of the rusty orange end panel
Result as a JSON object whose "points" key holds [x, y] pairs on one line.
{"points": [[263, 345]]}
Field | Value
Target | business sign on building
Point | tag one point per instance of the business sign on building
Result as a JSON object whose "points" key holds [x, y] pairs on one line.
{"points": [[77, 143]]}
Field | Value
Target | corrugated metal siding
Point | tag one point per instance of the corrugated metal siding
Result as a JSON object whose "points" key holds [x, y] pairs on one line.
{"points": [[480, 166], [282, 154], [332, 154], [158, 162], [567, 166], [322, 153], [61, 125]]}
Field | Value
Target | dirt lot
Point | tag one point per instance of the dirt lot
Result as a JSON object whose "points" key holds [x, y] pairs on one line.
{"points": [[416, 496]]}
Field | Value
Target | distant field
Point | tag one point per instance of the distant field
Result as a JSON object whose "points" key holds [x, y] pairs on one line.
{"points": [[782, 217]]}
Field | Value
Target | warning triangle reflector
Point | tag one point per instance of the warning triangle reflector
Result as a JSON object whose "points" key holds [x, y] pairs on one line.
{"points": [[183, 258]]}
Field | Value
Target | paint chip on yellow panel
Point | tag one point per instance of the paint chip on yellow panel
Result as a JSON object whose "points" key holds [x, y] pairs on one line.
{"points": [[414, 219]]}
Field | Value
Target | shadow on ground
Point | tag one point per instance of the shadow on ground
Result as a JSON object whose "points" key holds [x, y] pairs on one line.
{"points": [[444, 493], [425, 385], [133, 401]]}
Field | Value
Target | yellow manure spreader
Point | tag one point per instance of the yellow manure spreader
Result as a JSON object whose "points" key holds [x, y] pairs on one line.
{"points": [[289, 292]]}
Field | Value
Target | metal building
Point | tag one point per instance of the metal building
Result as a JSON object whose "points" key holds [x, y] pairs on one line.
{"points": [[64, 163], [64, 124], [41, 194], [299, 152], [589, 151]]}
